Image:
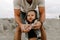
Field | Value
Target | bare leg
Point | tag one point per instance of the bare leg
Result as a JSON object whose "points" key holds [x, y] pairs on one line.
{"points": [[17, 35], [43, 33], [33, 39]]}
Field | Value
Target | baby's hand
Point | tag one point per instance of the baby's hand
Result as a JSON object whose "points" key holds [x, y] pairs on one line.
{"points": [[29, 28], [26, 28], [37, 25], [23, 27]]}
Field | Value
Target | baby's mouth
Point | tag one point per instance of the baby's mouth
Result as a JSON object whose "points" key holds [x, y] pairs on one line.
{"points": [[30, 18]]}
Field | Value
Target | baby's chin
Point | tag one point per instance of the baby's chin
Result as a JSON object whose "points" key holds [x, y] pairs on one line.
{"points": [[30, 21]]}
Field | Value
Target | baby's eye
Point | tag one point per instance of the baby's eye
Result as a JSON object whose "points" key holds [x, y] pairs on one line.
{"points": [[32, 15]]}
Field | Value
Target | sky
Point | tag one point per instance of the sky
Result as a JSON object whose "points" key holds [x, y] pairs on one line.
{"points": [[52, 8]]}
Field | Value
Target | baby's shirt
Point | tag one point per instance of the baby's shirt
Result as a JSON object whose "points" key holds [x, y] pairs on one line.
{"points": [[32, 24]]}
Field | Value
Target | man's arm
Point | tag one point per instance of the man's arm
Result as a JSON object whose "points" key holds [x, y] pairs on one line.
{"points": [[17, 16], [19, 21], [17, 11], [41, 8], [42, 14], [42, 19]]}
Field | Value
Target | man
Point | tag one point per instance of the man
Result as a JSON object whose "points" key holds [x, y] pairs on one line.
{"points": [[23, 6]]}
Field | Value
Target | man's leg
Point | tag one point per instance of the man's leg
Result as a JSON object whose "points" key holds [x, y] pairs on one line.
{"points": [[17, 35], [43, 33]]}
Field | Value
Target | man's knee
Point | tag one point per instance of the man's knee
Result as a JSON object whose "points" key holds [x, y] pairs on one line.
{"points": [[17, 33]]}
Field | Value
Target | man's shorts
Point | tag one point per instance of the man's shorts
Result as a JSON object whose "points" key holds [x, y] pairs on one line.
{"points": [[22, 16]]}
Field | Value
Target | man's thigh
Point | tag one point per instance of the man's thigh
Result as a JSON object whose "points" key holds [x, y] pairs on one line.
{"points": [[18, 29]]}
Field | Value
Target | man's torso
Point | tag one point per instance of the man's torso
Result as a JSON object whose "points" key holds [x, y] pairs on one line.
{"points": [[25, 6]]}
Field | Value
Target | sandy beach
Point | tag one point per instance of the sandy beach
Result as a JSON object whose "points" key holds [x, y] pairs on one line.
{"points": [[7, 29]]}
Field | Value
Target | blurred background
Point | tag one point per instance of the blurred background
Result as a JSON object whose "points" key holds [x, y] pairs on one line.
{"points": [[52, 8], [51, 24]]}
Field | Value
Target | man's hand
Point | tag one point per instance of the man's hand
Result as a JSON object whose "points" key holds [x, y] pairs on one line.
{"points": [[37, 25], [24, 28]]}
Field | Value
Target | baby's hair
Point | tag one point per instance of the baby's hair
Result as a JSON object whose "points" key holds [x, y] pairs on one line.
{"points": [[35, 15], [32, 11]]}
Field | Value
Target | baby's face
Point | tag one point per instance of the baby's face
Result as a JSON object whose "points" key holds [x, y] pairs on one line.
{"points": [[30, 16]]}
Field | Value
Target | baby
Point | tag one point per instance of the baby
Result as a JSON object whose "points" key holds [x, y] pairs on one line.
{"points": [[31, 20]]}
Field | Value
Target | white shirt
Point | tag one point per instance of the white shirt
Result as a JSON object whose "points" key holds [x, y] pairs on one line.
{"points": [[24, 6]]}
